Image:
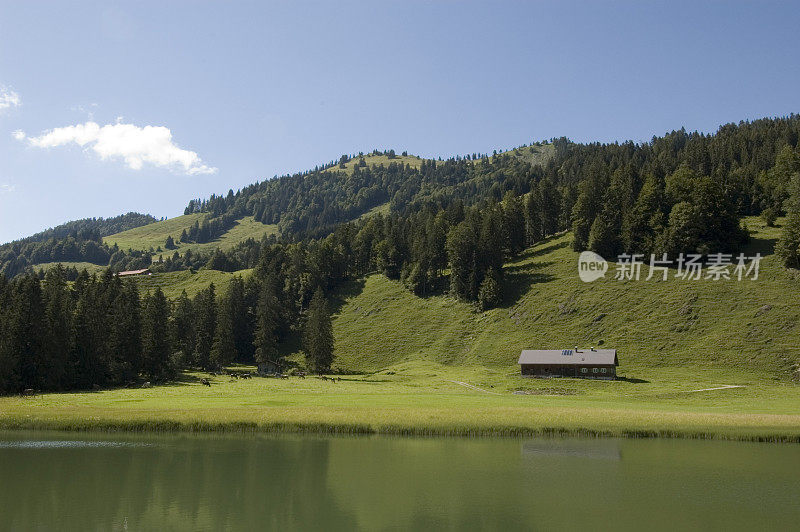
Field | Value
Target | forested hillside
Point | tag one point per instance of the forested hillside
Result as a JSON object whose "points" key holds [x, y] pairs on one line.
{"points": [[453, 227], [77, 241]]}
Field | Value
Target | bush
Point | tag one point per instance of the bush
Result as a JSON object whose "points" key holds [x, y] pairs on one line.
{"points": [[769, 215]]}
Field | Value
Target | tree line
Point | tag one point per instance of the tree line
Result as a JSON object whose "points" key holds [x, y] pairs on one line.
{"points": [[100, 331]]}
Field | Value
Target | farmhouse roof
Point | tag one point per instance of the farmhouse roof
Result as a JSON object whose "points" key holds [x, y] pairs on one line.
{"points": [[569, 356], [133, 272]]}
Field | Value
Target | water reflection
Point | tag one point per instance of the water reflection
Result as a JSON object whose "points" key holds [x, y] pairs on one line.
{"points": [[70, 482], [599, 449], [66, 444]]}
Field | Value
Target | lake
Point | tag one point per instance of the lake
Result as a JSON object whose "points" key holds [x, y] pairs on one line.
{"points": [[69, 481]]}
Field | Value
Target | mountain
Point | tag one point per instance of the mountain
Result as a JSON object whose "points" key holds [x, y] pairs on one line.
{"points": [[460, 261]]}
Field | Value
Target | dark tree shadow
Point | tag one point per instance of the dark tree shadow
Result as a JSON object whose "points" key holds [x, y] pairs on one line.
{"points": [[632, 380], [517, 282], [538, 252], [765, 246], [343, 292]]}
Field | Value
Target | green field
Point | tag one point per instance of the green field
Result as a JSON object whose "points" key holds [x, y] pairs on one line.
{"points": [[173, 283], [697, 325], [88, 266], [377, 160], [155, 234], [426, 399], [697, 359]]}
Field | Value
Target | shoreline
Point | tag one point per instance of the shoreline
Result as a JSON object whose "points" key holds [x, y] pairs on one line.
{"points": [[156, 426]]}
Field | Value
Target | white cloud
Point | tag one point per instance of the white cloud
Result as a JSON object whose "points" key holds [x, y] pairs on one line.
{"points": [[7, 189], [8, 98], [133, 144]]}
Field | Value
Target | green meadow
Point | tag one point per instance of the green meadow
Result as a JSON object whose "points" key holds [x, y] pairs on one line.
{"points": [[174, 283], [702, 359], [155, 235], [429, 399]]}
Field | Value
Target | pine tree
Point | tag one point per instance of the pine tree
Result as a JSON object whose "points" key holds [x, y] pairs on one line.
{"points": [[461, 249], [125, 335], [513, 224], [156, 363], [534, 232], [223, 350], [318, 334], [183, 330], [58, 316], [267, 320], [241, 321], [85, 368], [205, 306], [549, 203], [647, 218], [22, 356], [788, 246], [489, 295], [588, 205]]}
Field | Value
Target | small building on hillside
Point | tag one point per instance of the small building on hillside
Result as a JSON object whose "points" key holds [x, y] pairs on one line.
{"points": [[131, 273], [587, 363], [268, 367]]}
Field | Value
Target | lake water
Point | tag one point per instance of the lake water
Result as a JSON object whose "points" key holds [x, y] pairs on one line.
{"points": [[255, 482]]}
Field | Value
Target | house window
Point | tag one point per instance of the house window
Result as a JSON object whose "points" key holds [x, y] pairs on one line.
{"points": [[602, 370], [594, 370], [584, 370]]}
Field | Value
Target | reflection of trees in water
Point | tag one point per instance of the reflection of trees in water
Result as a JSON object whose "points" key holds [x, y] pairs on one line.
{"points": [[238, 482], [431, 483], [195, 483], [598, 448]]}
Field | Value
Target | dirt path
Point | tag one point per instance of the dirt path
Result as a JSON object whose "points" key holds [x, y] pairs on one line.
{"points": [[468, 385], [723, 387]]}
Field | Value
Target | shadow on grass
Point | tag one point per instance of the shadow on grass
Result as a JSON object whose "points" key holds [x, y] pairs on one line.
{"points": [[538, 252], [632, 380], [518, 282], [765, 246], [344, 292], [183, 379]]}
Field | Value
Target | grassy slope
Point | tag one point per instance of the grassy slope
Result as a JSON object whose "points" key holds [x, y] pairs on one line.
{"points": [[703, 324], [155, 234], [676, 338], [173, 283], [88, 266], [377, 160]]}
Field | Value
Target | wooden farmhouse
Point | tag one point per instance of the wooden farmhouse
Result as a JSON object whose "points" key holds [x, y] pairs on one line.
{"points": [[131, 273], [587, 363]]}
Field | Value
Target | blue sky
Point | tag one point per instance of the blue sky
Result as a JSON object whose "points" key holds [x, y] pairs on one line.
{"points": [[111, 107]]}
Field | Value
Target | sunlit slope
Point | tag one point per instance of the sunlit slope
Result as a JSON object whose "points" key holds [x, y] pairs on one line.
{"points": [[155, 234], [534, 154], [750, 325], [377, 160], [88, 266], [173, 283]]}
